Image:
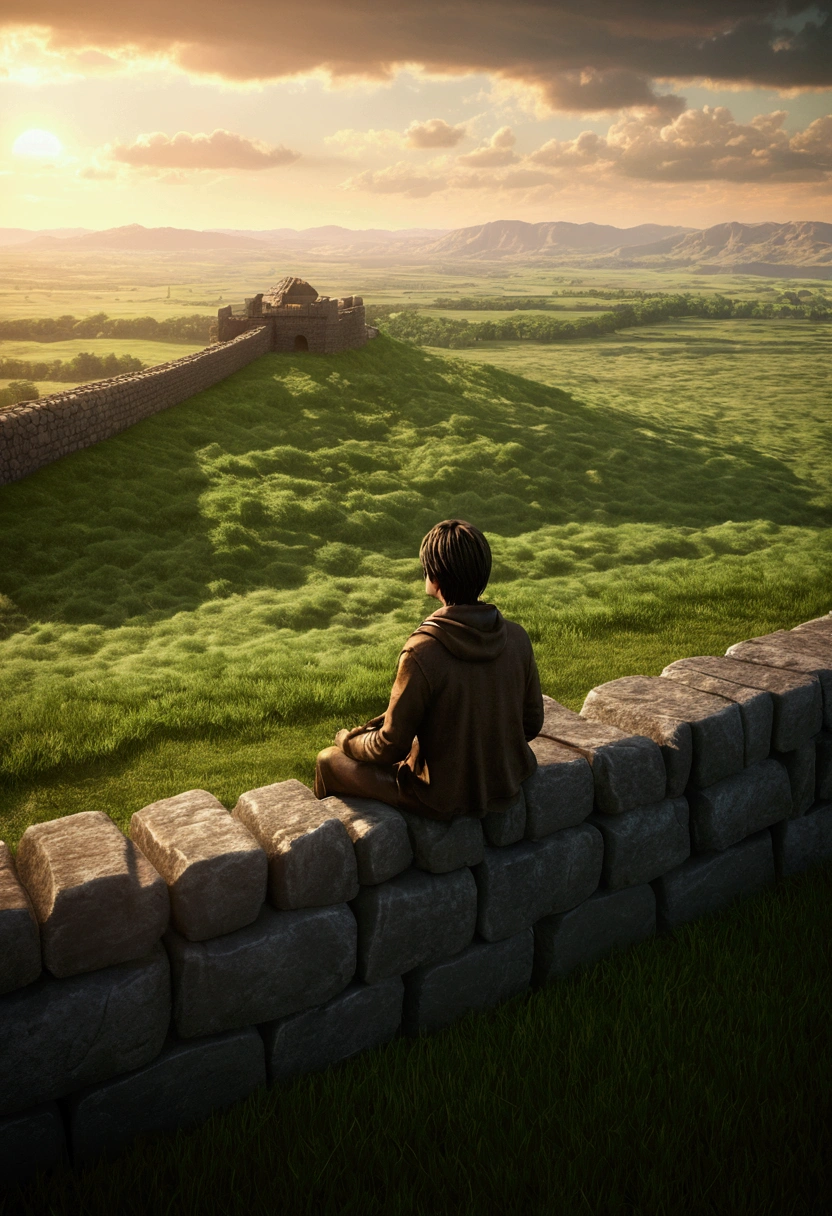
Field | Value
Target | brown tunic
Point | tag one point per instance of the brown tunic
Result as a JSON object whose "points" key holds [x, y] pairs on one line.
{"points": [[464, 704]]}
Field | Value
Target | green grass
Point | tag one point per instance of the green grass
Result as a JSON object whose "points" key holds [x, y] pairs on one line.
{"points": [[240, 572], [149, 352], [688, 1075]]}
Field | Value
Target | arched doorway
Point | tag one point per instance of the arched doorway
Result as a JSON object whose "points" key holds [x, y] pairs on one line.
{"points": [[301, 343]]}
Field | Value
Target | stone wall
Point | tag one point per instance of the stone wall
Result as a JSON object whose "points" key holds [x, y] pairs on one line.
{"points": [[149, 980], [35, 433]]}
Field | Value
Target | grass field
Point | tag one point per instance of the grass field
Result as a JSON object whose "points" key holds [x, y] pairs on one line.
{"points": [[202, 600], [687, 1077], [149, 352]]}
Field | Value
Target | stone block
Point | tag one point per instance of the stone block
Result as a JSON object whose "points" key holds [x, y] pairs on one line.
{"points": [[214, 868], [701, 735], [755, 706], [579, 937], [821, 627], [181, 1087], [97, 898], [19, 935], [311, 857], [795, 652], [379, 836], [642, 844], [284, 962], [710, 882], [560, 793], [413, 919], [59, 1035], [823, 766], [361, 1017], [31, 1140], [440, 847], [481, 975], [627, 770], [804, 842], [734, 808], [518, 885], [800, 769], [506, 827], [797, 702]]}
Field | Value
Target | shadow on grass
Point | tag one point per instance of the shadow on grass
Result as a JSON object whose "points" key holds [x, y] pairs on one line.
{"points": [[339, 465]]}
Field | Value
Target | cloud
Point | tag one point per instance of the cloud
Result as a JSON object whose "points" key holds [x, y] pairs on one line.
{"points": [[400, 178], [350, 140], [219, 150], [494, 152], [698, 145], [601, 55], [435, 133]]}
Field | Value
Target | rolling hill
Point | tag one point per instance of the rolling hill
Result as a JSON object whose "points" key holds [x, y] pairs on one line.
{"points": [[137, 237], [735, 246]]}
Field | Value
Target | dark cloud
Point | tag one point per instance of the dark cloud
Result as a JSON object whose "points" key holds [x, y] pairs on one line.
{"points": [[219, 150], [593, 56]]}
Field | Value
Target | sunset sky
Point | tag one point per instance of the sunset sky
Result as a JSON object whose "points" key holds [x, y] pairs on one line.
{"points": [[423, 113]]}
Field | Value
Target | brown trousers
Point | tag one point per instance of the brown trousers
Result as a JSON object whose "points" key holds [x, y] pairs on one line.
{"points": [[337, 773]]}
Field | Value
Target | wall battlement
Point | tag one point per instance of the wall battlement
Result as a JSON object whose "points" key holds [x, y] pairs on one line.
{"points": [[210, 952]]}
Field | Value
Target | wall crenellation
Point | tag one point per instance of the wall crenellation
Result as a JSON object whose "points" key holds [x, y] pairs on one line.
{"points": [[210, 952]]}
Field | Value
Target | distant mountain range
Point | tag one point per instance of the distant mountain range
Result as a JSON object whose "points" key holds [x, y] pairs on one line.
{"points": [[793, 249]]}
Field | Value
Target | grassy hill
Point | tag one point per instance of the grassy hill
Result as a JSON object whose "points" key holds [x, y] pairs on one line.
{"points": [[202, 600]]}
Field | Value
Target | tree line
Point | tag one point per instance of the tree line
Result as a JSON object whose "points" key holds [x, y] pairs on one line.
{"points": [[193, 329], [84, 366], [449, 332]]}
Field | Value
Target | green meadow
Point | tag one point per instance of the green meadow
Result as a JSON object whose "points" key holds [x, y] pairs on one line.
{"points": [[203, 599]]}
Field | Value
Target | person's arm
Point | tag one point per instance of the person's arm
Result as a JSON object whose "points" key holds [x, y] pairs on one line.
{"points": [[532, 703], [392, 739]]}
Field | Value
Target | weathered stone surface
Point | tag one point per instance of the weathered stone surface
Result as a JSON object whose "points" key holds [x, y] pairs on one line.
{"points": [[19, 935], [804, 842], [560, 793], [823, 766], [519, 884], [584, 934], [628, 710], [800, 768], [214, 868], [797, 701], [284, 962], [627, 770], [182, 1086], [413, 919], [481, 975], [359, 1018], [701, 735], [821, 625], [755, 705], [642, 844], [311, 856], [732, 809], [506, 827], [97, 898], [379, 836], [31, 1140], [442, 847], [59, 1035], [710, 882], [795, 652]]}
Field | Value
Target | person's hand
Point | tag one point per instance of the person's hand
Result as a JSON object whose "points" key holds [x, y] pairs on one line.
{"points": [[340, 737]]}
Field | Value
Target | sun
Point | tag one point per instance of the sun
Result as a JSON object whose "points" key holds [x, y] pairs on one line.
{"points": [[38, 144]]}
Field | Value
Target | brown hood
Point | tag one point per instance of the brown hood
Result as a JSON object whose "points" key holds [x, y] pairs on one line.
{"points": [[474, 632]]}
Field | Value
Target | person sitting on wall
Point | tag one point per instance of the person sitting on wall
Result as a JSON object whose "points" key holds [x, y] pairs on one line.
{"points": [[465, 702]]}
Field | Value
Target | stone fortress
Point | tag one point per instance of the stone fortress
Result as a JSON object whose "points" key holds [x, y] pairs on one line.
{"points": [[149, 979], [299, 319], [291, 317]]}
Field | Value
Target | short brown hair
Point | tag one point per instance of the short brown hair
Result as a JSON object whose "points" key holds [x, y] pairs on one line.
{"points": [[456, 556]]}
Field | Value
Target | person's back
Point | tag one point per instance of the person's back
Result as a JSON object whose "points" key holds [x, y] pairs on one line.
{"points": [[465, 702]]}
